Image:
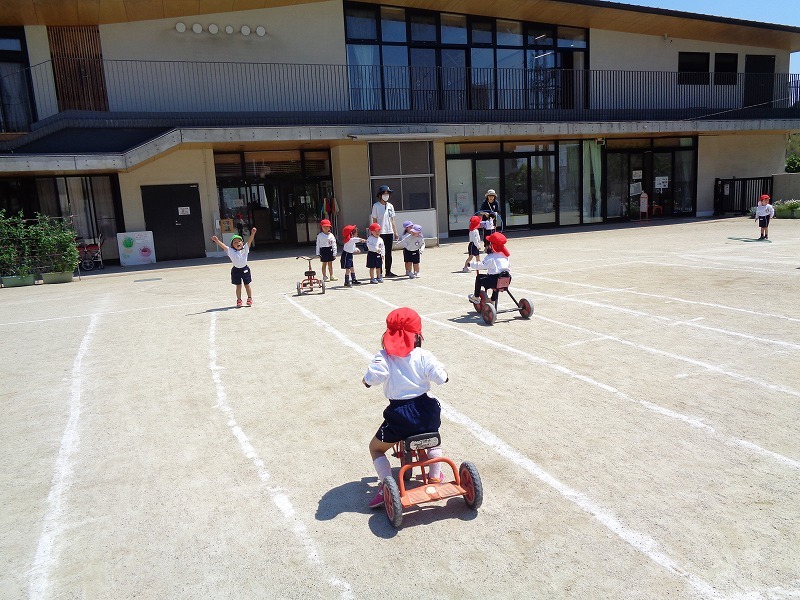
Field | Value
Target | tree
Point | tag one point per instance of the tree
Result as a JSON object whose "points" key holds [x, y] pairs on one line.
{"points": [[793, 153]]}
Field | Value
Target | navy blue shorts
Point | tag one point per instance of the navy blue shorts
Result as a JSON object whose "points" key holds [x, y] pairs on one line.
{"points": [[763, 221], [239, 276], [411, 256], [326, 254], [374, 260], [473, 250], [404, 418], [346, 260]]}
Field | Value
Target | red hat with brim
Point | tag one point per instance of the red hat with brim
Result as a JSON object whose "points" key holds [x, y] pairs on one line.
{"points": [[324, 223], [498, 242], [474, 222], [347, 233], [375, 227], [402, 327], [764, 197]]}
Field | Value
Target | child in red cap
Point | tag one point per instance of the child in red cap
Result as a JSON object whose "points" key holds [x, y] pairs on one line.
{"points": [[375, 253], [350, 240], [474, 248], [764, 212], [406, 372], [494, 264], [326, 250]]}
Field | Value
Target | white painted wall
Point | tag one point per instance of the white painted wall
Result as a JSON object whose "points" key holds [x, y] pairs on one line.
{"points": [[739, 156]]}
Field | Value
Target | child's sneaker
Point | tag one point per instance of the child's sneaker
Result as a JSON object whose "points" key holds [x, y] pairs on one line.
{"points": [[357, 282], [377, 500], [334, 278], [411, 276], [465, 270], [239, 303], [249, 302], [373, 280], [408, 273], [325, 278], [380, 279], [439, 479], [473, 298], [348, 284], [416, 275]]}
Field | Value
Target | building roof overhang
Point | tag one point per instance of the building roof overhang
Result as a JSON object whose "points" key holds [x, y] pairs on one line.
{"points": [[599, 14]]}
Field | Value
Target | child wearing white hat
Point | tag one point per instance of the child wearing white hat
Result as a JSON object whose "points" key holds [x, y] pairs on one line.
{"points": [[413, 244]]}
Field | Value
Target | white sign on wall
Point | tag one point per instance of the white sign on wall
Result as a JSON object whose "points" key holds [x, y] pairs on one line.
{"points": [[636, 175], [136, 248], [662, 183]]}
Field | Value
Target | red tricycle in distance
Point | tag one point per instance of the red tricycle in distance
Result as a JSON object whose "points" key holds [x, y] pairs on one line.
{"points": [[488, 307], [412, 452], [311, 281]]}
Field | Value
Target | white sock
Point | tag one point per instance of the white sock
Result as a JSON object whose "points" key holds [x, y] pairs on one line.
{"points": [[436, 468], [382, 467]]}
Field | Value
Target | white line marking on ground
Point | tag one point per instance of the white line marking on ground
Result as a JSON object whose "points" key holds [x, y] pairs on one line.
{"points": [[277, 495], [46, 556], [641, 542], [671, 321], [113, 312], [787, 461], [682, 300]]}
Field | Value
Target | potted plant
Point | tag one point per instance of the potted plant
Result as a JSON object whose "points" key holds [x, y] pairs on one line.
{"points": [[15, 264], [55, 246]]}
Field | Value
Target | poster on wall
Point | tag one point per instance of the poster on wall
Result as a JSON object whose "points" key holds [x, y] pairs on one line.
{"points": [[136, 248]]}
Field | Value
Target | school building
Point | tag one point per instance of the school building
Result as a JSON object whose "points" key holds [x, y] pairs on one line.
{"points": [[191, 118]]}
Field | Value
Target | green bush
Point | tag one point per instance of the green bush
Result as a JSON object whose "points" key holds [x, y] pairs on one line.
{"points": [[793, 164], [53, 243], [15, 257]]}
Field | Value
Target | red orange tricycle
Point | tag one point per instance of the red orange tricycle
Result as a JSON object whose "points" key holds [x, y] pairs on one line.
{"points": [[404, 493], [311, 281]]}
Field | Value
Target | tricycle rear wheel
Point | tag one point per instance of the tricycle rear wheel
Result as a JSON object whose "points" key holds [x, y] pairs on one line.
{"points": [[391, 502], [471, 482]]}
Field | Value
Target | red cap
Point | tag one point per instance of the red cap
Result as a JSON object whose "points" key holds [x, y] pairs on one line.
{"points": [[498, 242], [374, 227], [324, 223], [474, 222], [347, 233], [764, 197], [402, 326]]}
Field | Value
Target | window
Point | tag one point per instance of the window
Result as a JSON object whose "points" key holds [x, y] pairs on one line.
{"points": [[360, 23], [693, 68], [454, 29], [407, 168], [393, 24], [725, 67]]}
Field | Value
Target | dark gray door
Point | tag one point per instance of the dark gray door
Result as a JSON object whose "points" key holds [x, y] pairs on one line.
{"points": [[172, 213], [759, 81]]}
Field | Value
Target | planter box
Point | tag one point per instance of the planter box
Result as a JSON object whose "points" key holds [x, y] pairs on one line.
{"points": [[18, 280], [57, 277]]}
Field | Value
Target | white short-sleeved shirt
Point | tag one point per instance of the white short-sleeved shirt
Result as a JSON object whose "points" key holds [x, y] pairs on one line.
{"points": [[493, 264], [375, 244], [383, 216], [326, 240], [405, 377], [350, 245], [239, 257]]}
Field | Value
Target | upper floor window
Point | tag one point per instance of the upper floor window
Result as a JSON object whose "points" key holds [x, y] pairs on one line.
{"points": [[693, 68], [725, 67], [407, 168]]}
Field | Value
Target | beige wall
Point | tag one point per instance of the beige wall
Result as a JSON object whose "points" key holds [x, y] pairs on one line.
{"points": [[726, 156], [350, 168], [440, 191], [305, 34], [786, 186], [179, 167], [653, 53]]}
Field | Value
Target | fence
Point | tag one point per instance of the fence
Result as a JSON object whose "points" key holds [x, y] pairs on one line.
{"points": [[214, 93], [739, 195]]}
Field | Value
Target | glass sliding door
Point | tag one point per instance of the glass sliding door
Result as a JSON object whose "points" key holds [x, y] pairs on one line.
{"points": [[487, 176], [569, 174], [543, 188], [592, 182], [662, 184], [460, 193], [516, 197], [617, 172]]}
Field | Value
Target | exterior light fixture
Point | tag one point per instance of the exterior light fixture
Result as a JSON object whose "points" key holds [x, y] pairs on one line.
{"points": [[261, 31], [213, 29], [197, 28], [245, 30], [180, 27], [229, 29]]}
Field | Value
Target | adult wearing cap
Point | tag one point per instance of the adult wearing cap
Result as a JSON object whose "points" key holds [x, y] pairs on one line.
{"points": [[383, 215], [406, 372], [494, 264], [764, 212], [491, 210]]}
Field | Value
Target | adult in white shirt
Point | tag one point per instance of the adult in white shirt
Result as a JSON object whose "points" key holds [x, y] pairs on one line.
{"points": [[383, 215]]}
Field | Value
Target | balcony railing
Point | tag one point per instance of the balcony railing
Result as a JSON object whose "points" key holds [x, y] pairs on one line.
{"points": [[230, 93]]}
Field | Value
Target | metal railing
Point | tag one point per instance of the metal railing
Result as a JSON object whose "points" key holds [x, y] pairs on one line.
{"points": [[739, 195], [221, 93]]}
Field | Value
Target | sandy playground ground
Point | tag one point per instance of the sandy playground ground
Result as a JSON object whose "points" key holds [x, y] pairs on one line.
{"points": [[637, 438]]}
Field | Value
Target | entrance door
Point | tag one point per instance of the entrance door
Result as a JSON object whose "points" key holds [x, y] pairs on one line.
{"points": [[625, 177], [172, 213], [759, 81], [663, 184]]}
